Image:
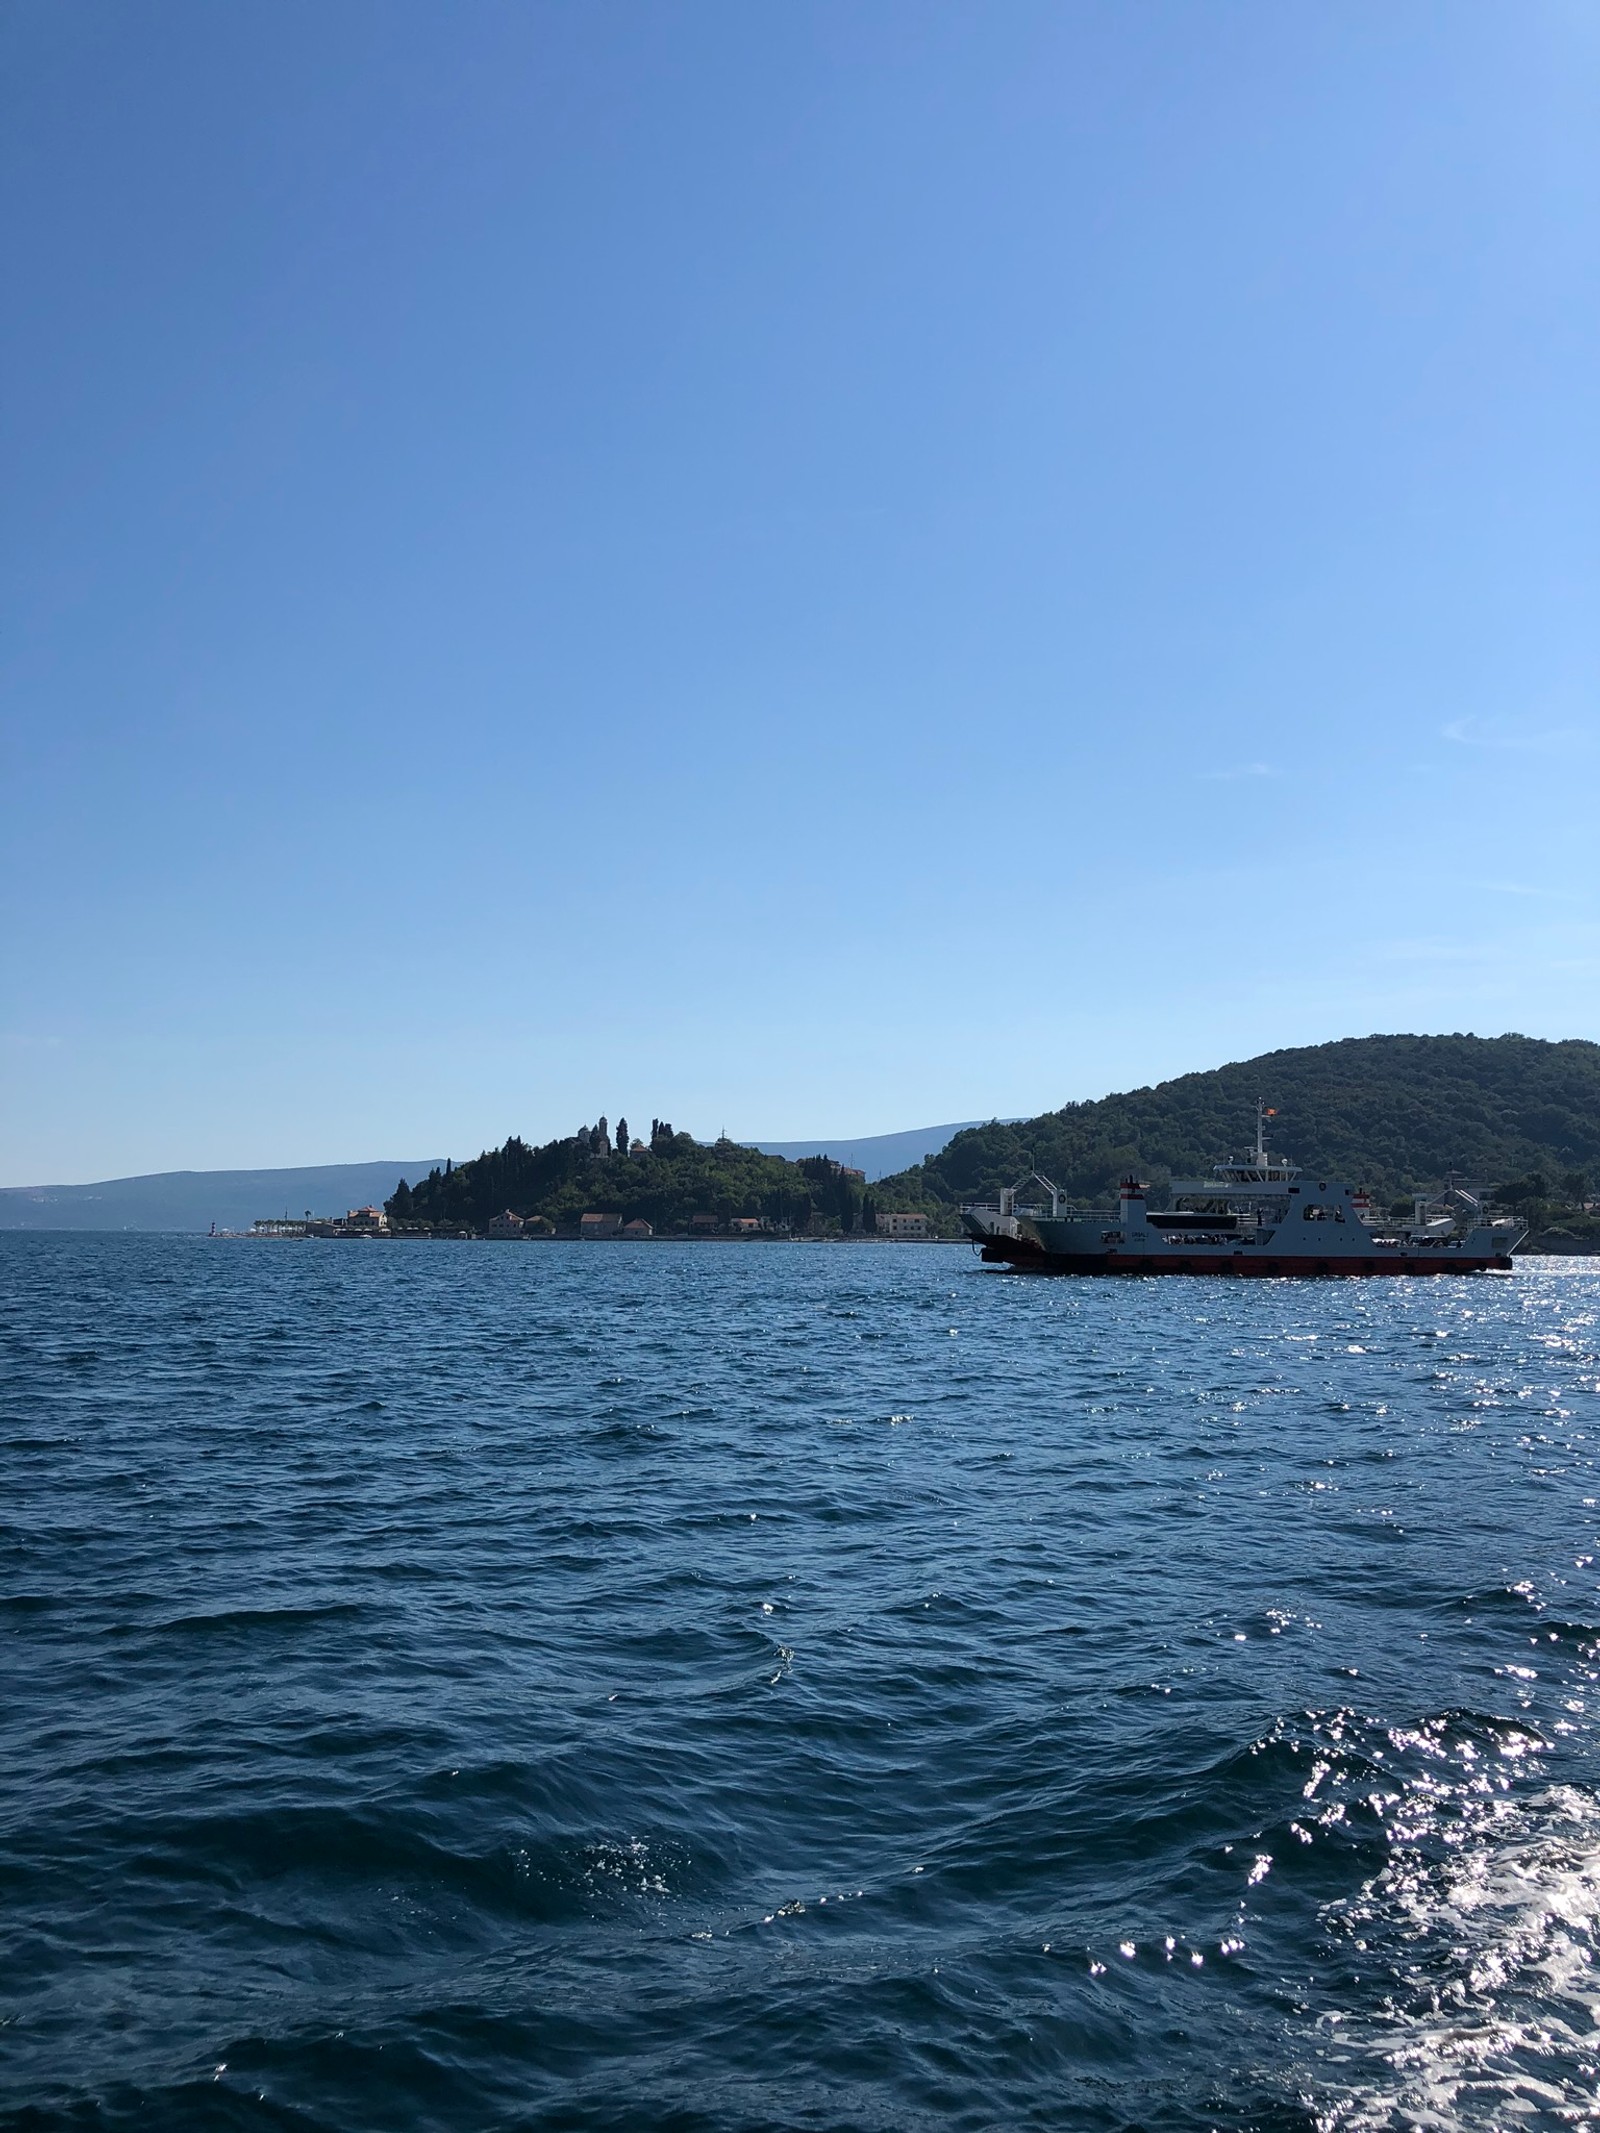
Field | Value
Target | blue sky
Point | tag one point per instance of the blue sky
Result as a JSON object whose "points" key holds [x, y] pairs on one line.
{"points": [[805, 569]]}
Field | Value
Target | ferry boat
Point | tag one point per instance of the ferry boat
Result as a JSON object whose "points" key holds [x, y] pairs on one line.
{"points": [[1259, 1215]]}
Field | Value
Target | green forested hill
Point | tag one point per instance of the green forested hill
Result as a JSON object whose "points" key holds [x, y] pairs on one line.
{"points": [[667, 1184], [1394, 1112]]}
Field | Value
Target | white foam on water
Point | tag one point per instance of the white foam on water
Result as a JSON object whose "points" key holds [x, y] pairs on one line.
{"points": [[1491, 2017]]}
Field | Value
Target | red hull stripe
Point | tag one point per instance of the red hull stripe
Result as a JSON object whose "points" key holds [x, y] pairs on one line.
{"points": [[1236, 1265]]}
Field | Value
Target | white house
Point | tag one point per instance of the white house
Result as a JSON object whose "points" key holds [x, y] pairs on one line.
{"points": [[902, 1225]]}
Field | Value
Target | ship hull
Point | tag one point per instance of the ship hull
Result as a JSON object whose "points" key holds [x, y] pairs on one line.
{"points": [[1025, 1256]]}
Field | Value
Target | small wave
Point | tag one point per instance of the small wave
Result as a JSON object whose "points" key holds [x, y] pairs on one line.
{"points": [[231, 1619], [441, 1861], [1516, 1599]]}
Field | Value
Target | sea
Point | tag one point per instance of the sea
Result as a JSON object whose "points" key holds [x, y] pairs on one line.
{"points": [[720, 1687]]}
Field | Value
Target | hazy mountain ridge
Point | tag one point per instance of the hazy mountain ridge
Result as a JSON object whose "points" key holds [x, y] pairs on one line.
{"points": [[194, 1199], [880, 1155]]}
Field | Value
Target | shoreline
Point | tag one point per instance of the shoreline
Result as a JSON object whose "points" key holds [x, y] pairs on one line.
{"points": [[465, 1236]]}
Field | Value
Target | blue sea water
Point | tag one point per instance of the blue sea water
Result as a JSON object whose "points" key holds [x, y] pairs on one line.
{"points": [[471, 1687]]}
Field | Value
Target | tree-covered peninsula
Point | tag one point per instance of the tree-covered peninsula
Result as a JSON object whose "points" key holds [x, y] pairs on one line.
{"points": [[670, 1180]]}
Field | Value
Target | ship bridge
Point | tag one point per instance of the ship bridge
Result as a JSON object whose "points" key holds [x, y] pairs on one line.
{"points": [[1256, 1175], [1240, 1180]]}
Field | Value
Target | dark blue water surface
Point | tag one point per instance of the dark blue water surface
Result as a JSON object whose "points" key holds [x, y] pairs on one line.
{"points": [[467, 1687]]}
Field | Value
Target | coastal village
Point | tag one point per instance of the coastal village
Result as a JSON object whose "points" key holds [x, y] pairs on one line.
{"points": [[508, 1226]]}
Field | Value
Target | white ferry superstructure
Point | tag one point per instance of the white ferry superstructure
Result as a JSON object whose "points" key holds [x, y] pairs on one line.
{"points": [[1258, 1215]]}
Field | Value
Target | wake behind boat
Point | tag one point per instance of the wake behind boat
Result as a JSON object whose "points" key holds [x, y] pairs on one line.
{"points": [[1256, 1215]]}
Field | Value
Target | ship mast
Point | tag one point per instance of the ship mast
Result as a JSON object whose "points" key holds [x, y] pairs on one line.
{"points": [[1261, 1134]]}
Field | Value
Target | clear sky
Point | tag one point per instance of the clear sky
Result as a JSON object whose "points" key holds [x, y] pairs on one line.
{"points": [[804, 568]]}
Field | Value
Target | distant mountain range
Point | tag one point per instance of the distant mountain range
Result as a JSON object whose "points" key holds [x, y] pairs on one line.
{"points": [[880, 1155], [194, 1199]]}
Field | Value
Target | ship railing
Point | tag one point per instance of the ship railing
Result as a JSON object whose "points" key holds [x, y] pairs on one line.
{"points": [[1040, 1213]]}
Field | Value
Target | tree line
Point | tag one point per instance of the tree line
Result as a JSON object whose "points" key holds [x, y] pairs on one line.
{"points": [[666, 1181], [1399, 1114]]}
